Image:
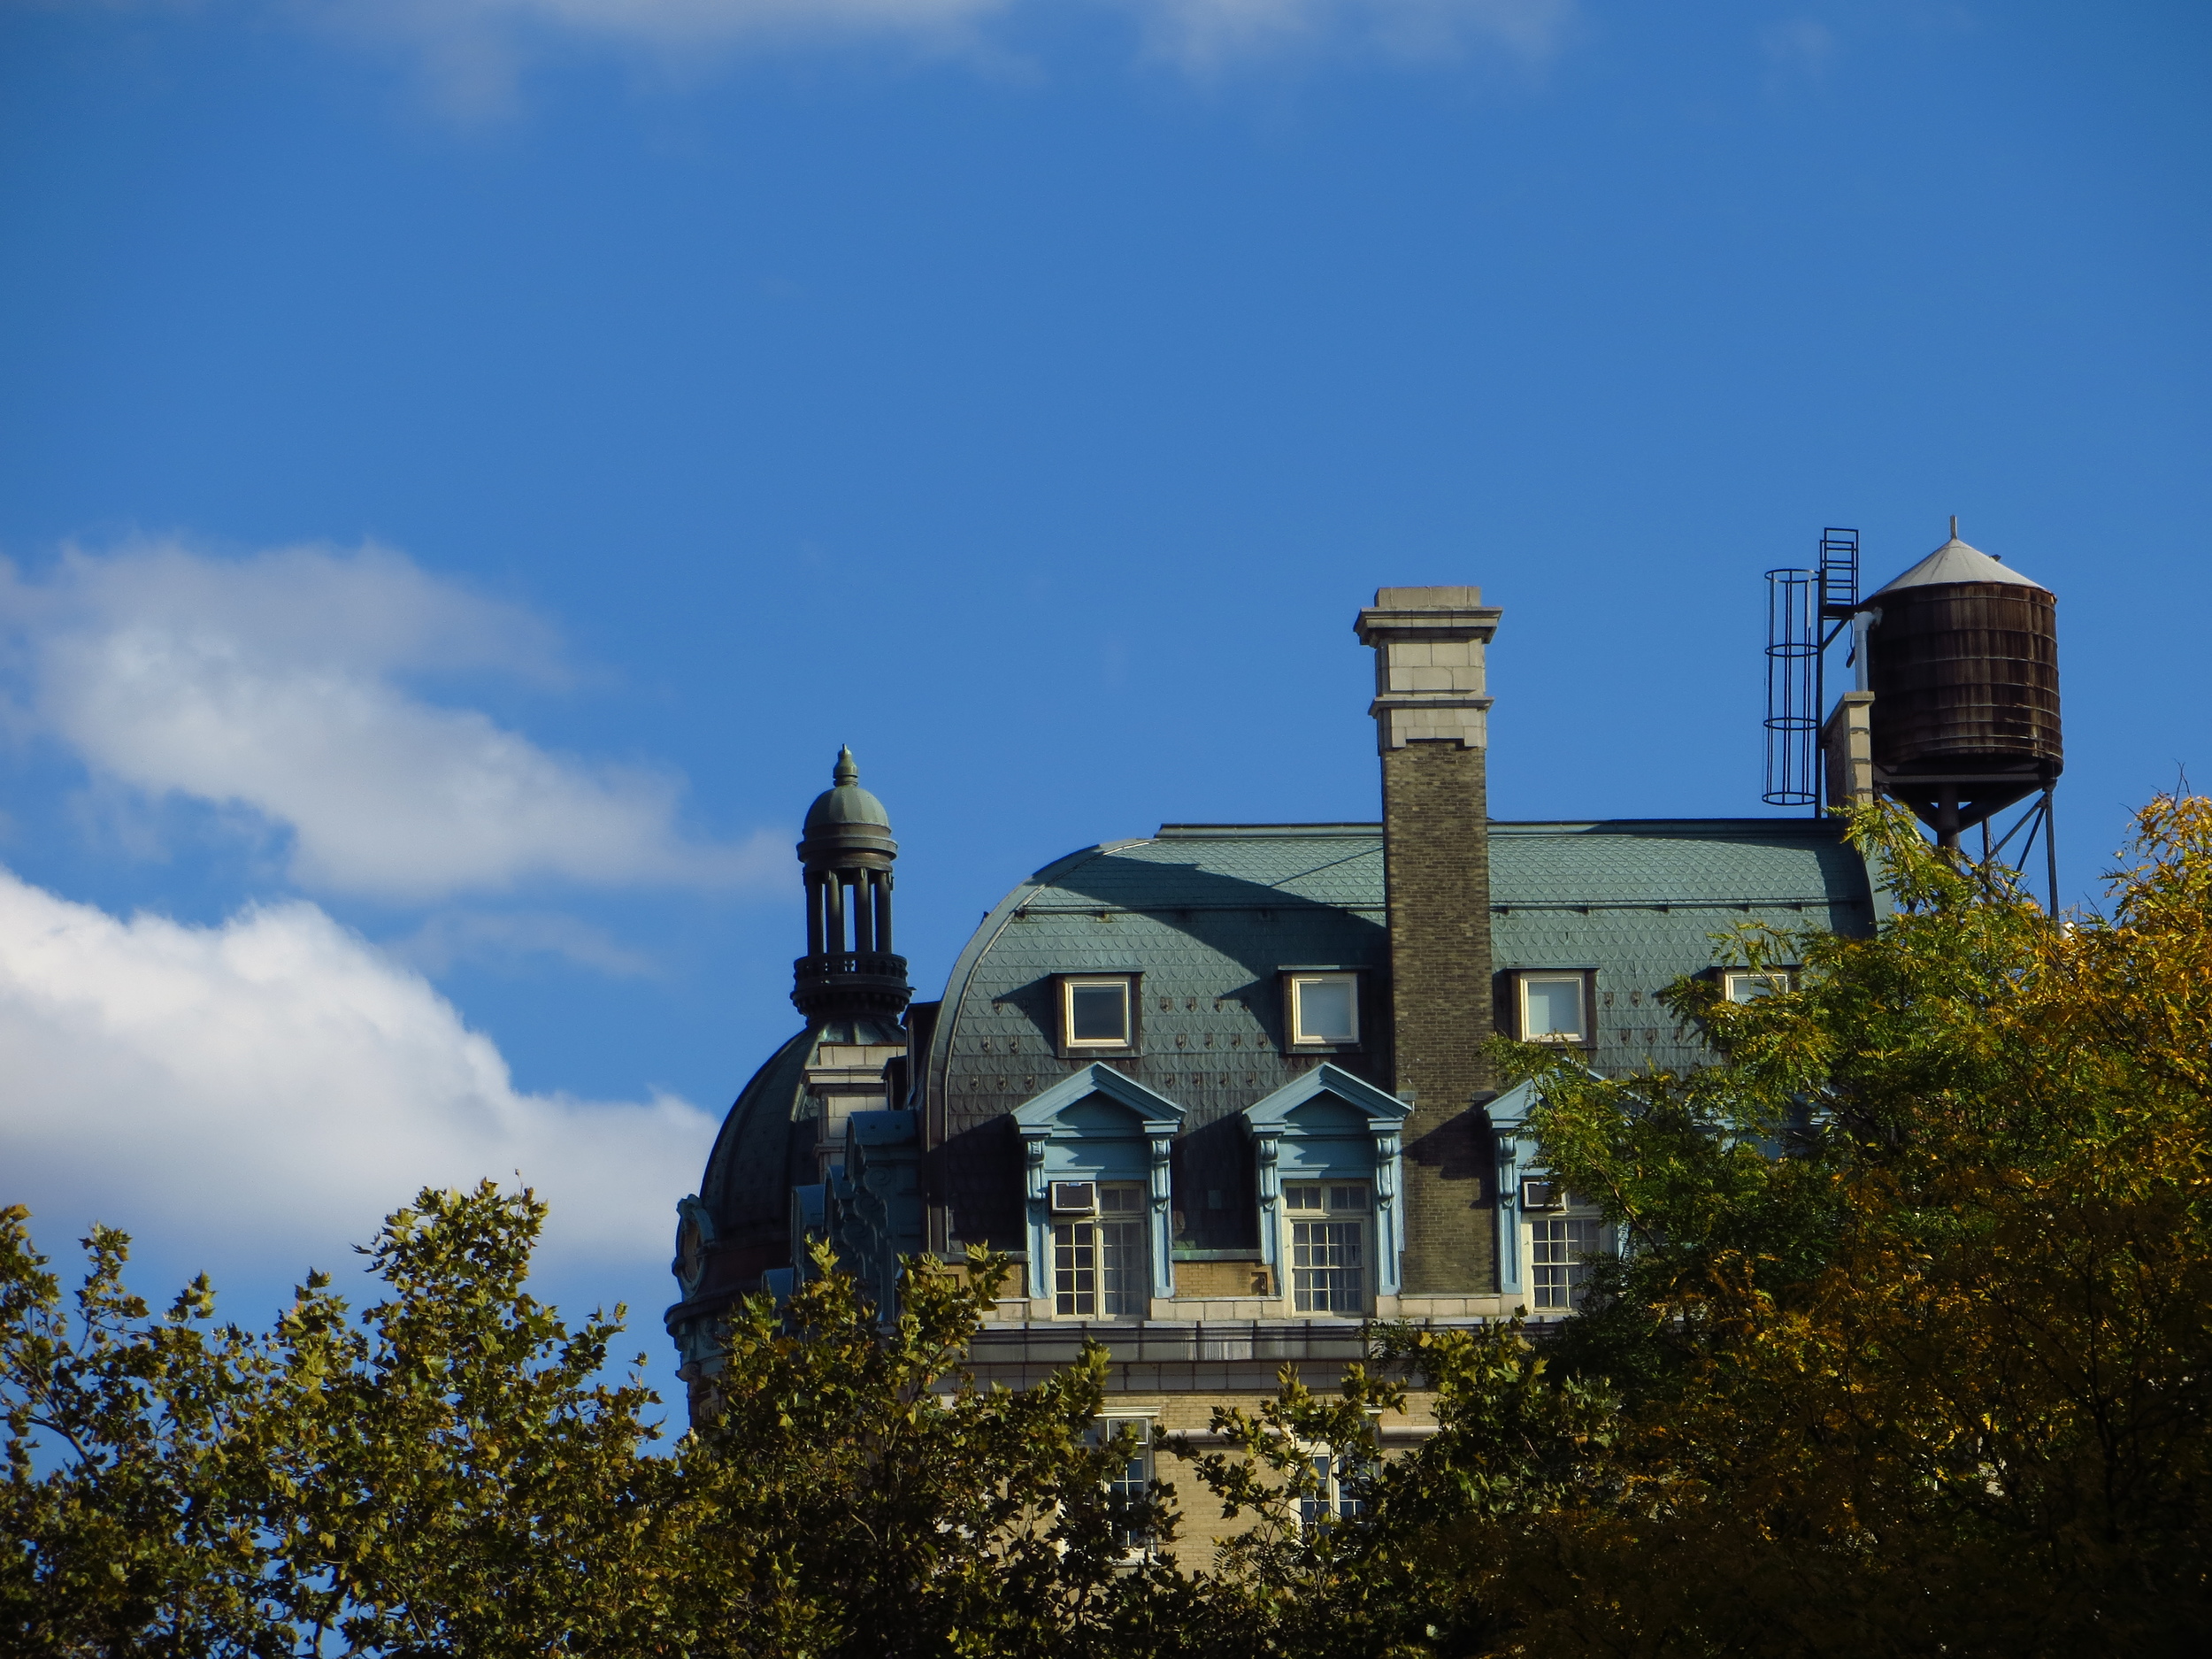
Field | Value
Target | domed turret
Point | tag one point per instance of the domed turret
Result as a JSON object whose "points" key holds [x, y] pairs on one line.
{"points": [[1963, 661], [848, 971]]}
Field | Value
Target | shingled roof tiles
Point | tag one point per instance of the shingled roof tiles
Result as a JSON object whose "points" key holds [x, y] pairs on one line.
{"points": [[1209, 915]]}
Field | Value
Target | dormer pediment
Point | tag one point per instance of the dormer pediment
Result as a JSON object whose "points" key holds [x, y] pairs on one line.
{"points": [[1327, 1100], [1098, 1100]]}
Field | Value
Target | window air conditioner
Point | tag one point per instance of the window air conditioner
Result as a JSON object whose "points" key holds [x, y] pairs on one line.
{"points": [[1075, 1198], [1537, 1194]]}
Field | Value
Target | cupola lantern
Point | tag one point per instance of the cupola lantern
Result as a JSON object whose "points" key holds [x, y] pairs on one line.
{"points": [[846, 852]]}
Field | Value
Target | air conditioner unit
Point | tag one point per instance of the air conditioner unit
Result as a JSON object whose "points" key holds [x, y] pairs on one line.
{"points": [[1537, 1194], [1075, 1198]]}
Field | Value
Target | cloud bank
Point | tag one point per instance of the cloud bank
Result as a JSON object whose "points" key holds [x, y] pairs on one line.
{"points": [[279, 684], [269, 1088], [472, 50]]}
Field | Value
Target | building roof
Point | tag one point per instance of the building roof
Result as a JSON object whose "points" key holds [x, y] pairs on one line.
{"points": [[1212, 914], [1955, 561], [845, 801], [766, 1145]]}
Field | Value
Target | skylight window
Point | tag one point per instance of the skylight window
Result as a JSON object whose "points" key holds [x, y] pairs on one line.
{"points": [[1324, 1009], [1095, 1013], [1552, 1008], [1749, 985]]}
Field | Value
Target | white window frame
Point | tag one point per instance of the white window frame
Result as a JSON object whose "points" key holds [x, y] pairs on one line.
{"points": [[1560, 1297], [1294, 1022], [1337, 1468], [1328, 1212], [1133, 1546], [1781, 980], [1581, 980], [1073, 982], [1126, 1210]]}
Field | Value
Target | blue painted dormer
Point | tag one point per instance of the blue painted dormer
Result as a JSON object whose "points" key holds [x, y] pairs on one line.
{"points": [[1330, 1169], [1097, 1129], [1547, 1236]]}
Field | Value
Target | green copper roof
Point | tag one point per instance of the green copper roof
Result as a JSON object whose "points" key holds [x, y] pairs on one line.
{"points": [[845, 801], [1211, 914]]}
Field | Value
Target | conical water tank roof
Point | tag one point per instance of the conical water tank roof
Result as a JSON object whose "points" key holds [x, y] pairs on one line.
{"points": [[1955, 562]]}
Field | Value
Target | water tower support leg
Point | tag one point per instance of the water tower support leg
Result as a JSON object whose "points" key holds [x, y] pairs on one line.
{"points": [[1948, 817], [2050, 846]]}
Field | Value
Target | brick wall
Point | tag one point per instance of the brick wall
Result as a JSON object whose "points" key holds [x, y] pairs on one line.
{"points": [[1431, 726], [1436, 859]]}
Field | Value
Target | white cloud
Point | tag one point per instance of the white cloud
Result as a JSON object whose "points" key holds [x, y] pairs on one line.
{"points": [[493, 938], [1209, 35], [472, 51], [275, 1085], [1802, 44], [275, 683]]}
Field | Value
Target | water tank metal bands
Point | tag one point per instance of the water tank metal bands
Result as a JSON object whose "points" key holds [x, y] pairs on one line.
{"points": [[1965, 678]]}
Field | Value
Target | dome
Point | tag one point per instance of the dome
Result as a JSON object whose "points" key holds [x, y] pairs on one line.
{"points": [[847, 803]]}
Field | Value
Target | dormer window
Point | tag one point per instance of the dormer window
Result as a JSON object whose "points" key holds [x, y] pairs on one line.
{"points": [[1552, 1007], [1098, 1014], [1748, 985], [1322, 1009]]}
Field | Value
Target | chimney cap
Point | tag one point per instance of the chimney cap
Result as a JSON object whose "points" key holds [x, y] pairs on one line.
{"points": [[1428, 599], [1412, 614]]}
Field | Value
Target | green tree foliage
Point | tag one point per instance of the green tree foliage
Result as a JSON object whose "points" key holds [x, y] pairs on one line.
{"points": [[853, 1492], [1911, 1350], [1911, 1355], [444, 1475]]}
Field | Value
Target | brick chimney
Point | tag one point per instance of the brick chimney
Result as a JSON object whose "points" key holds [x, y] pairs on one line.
{"points": [[1431, 725]]}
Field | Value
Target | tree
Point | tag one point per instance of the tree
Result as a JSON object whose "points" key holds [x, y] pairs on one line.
{"points": [[1911, 1355], [1911, 1350], [443, 1475], [446, 1474], [853, 1491]]}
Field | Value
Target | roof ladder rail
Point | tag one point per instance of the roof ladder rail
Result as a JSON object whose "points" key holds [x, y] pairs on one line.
{"points": [[1839, 573], [1792, 722]]}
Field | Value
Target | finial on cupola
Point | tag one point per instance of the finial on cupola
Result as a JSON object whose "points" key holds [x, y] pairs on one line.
{"points": [[845, 771]]}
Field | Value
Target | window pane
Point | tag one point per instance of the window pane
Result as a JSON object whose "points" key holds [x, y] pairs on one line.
{"points": [[1748, 988], [1327, 1274], [1133, 1481], [1302, 1197], [1324, 1010], [1075, 1270], [1312, 1511], [1098, 1013], [1127, 1200], [1349, 1198], [1558, 1272], [1555, 1007], [1122, 1276], [1336, 1478]]}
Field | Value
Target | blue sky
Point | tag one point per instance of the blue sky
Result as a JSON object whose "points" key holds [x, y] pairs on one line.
{"points": [[464, 468]]}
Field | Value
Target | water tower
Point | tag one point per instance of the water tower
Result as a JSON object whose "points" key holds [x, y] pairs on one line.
{"points": [[1962, 656], [1954, 710]]}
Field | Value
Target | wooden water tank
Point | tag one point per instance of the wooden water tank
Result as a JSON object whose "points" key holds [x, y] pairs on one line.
{"points": [[1963, 661]]}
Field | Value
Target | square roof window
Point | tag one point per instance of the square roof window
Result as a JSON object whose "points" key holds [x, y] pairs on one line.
{"points": [[1095, 1013], [1324, 1009]]}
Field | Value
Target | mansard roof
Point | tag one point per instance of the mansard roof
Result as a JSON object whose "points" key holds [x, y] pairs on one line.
{"points": [[1211, 916]]}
